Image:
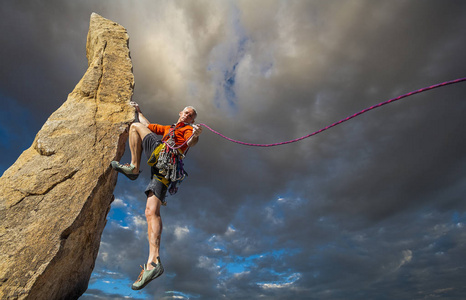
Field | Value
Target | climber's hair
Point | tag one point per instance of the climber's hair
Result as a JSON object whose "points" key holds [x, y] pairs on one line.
{"points": [[192, 107]]}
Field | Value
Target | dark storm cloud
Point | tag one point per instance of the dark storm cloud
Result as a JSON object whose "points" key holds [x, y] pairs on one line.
{"points": [[42, 57], [373, 208]]}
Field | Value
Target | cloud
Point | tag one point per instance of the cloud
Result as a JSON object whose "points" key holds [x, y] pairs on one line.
{"points": [[181, 232]]}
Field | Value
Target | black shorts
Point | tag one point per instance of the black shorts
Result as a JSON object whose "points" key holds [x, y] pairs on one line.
{"points": [[149, 143]]}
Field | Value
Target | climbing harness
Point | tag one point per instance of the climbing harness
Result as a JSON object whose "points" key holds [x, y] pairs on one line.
{"points": [[341, 121], [168, 159]]}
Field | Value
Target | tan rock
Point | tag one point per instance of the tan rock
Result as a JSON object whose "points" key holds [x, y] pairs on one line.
{"points": [[55, 198]]}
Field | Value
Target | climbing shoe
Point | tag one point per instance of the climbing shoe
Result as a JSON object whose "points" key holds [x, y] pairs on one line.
{"points": [[147, 276], [126, 170]]}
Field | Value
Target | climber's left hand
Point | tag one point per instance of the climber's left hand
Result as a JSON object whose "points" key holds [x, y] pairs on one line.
{"points": [[197, 130]]}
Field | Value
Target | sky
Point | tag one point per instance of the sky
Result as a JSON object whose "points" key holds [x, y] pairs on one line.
{"points": [[371, 209]]}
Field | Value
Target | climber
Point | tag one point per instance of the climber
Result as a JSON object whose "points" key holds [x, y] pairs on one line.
{"points": [[143, 136]]}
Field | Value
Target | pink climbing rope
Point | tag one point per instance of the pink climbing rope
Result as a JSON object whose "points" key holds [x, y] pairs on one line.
{"points": [[339, 122]]}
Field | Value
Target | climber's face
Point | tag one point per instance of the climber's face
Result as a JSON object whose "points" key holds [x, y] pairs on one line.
{"points": [[187, 115]]}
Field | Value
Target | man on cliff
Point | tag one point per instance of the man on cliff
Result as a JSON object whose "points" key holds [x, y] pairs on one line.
{"points": [[143, 136]]}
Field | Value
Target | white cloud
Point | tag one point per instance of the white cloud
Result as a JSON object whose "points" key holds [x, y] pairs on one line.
{"points": [[208, 263], [286, 282], [230, 231], [407, 257], [139, 221], [181, 232], [103, 255], [119, 203]]}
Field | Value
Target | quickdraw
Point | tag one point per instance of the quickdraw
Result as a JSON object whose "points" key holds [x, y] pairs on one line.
{"points": [[170, 164]]}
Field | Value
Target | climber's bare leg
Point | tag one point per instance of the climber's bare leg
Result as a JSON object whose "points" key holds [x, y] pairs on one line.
{"points": [[137, 132], [154, 227]]}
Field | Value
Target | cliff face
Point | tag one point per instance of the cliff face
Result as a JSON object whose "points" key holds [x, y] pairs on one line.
{"points": [[55, 198]]}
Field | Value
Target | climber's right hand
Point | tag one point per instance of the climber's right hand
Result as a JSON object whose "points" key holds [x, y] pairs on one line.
{"points": [[136, 106]]}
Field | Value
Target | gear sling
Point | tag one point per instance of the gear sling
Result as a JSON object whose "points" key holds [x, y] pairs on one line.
{"points": [[168, 162]]}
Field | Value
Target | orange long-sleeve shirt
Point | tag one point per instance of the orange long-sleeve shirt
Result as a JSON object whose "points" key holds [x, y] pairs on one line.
{"points": [[182, 132]]}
